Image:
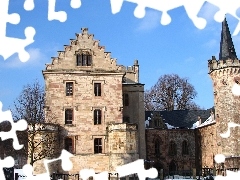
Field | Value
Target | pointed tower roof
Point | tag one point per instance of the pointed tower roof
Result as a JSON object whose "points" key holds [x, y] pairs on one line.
{"points": [[227, 49]]}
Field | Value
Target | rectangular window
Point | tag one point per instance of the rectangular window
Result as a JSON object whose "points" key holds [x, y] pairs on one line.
{"points": [[125, 100], [69, 88], [79, 59], [97, 145], [97, 89], [69, 144], [97, 116], [89, 60], [68, 116], [84, 60]]}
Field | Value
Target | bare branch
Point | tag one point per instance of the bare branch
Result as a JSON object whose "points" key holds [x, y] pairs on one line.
{"points": [[30, 106], [171, 93]]}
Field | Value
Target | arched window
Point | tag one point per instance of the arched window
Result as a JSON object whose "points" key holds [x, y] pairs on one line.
{"points": [[157, 147], [184, 147], [172, 148]]}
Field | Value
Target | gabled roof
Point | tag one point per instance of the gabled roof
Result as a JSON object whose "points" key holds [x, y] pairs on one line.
{"points": [[182, 118]]}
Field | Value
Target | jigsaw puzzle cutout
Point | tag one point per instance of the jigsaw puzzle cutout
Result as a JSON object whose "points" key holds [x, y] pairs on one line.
{"points": [[20, 125], [137, 167], [29, 5], [60, 15], [87, 173], [9, 45], [66, 164], [192, 9], [5, 163]]}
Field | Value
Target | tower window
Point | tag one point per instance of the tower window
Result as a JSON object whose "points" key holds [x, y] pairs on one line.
{"points": [[125, 100], [84, 60], [69, 88], [97, 145], [69, 144], [97, 89], [97, 116], [68, 116]]}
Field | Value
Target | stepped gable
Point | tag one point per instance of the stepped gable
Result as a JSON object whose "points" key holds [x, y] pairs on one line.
{"points": [[84, 43]]}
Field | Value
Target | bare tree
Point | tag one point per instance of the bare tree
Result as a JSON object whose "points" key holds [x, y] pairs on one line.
{"points": [[40, 136], [171, 93]]}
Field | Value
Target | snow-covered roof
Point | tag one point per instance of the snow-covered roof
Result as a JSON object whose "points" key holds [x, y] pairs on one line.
{"points": [[209, 121], [195, 125], [170, 126], [181, 118]]}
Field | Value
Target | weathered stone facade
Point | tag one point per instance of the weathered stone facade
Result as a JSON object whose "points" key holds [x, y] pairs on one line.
{"points": [[98, 104], [206, 145], [224, 74], [165, 159]]}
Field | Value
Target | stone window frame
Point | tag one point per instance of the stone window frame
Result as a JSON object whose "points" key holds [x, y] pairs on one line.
{"points": [[125, 99], [185, 148], [70, 139], [172, 148], [98, 145], [101, 82], [97, 89], [65, 82], [66, 109], [102, 109], [97, 116], [84, 58], [69, 87]]}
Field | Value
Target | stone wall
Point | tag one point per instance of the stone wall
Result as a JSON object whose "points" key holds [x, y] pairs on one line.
{"points": [[207, 144], [224, 75], [164, 159]]}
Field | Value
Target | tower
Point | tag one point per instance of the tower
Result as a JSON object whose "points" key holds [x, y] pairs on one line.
{"points": [[224, 73]]}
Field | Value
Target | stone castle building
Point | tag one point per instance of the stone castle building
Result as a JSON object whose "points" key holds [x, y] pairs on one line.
{"points": [[195, 137], [98, 104]]}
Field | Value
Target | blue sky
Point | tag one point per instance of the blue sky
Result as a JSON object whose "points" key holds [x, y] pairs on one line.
{"points": [[178, 48]]}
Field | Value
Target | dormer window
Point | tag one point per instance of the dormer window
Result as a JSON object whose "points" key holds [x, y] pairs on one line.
{"points": [[84, 59]]}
